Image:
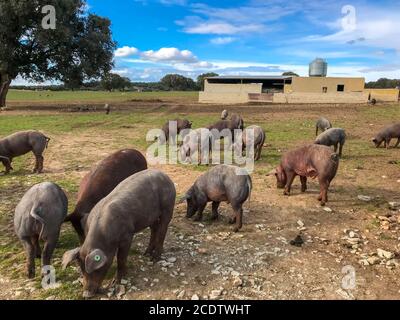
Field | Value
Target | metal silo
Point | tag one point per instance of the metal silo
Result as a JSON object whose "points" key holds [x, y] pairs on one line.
{"points": [[318, 68]]}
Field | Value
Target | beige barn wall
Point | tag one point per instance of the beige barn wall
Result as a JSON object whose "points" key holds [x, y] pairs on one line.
{"points": [[310, 97], [228, 93], [315, 84], [385, 95]]}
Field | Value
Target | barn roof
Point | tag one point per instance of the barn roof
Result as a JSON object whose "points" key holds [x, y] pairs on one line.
{"points": [[251, 77]]}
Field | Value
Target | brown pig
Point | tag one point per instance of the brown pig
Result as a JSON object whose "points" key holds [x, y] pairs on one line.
{"points": [[20, 143], [101, 180], [310, 161], [181, 124]]}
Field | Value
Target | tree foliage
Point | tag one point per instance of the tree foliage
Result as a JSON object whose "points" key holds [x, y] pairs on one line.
{"points": [[176, 82], [383, 83], [290, 73], [78, 49], [201, 77], [114, 81]]}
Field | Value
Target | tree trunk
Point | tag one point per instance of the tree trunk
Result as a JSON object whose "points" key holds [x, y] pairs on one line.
{"points": [[5, 82]]}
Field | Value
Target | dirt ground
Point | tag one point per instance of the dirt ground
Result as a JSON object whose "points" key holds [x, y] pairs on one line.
{"points": [[357, 230]]}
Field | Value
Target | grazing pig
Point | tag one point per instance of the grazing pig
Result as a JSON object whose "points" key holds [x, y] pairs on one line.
{"points": [[101, 180], [313, 161], [259, 139], [181, 124], [145, 199], [237, 122], [196, 142], [221, 183], [332, 137], [39, 216], [224, 115], [220, 129], [322, 124], [20, 143], [387, 134]]}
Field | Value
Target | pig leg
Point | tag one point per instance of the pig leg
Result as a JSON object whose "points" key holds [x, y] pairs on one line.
{"points": [[323, 197], [122, 258], [199, 215], [215, 206], [48, 250], [290, 178], [335, 147], [38, 250], [238, 218], [153, 237], [161, 234], [341, 149], [303, 184], [30, 261], [387, 143], [397, 143]]}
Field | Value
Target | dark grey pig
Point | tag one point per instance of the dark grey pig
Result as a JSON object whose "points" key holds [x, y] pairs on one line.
{"points": [[332, 137], [181, 124], [221, 183], [322, 124], [21, 143], [224, 115], [39, 216], [387, 134], [145, 199]]}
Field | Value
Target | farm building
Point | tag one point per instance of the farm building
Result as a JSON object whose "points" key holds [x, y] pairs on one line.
{"points": [[317, 88], [283, 89]]}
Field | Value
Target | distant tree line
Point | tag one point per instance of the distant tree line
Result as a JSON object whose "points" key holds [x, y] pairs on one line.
{"points": [[114, 82], [383, 83]]}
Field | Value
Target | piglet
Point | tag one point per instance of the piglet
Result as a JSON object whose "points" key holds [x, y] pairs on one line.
{"points": [[311, 161], [259, 138], [221, 183], [387, 134], [39, 216]]}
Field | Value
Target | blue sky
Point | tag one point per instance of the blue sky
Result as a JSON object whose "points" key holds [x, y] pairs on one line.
{"points": [[253, 37]]}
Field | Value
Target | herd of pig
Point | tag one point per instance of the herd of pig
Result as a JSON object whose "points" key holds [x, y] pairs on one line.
{"points": [[120, 196]]}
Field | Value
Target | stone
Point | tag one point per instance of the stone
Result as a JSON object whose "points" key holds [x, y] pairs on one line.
{"points": [[373, 260], [181, 294], [394, 205], [327, 209], [385, 254], [171, 260], [237, 282], [215, 294], [195, 297], [364, 198]]}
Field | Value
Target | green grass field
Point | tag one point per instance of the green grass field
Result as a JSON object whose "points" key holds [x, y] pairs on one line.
{"points": [[81, 139], [96, 96]]}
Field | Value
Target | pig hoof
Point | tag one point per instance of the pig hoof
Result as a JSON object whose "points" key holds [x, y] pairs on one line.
{"points": [[322, 204], [236, 229], [232, 220], [197, 218], [214, 217]]}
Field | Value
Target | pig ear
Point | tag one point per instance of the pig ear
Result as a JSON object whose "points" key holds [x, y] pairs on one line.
{"points": [[95, 260], [70, 256]]}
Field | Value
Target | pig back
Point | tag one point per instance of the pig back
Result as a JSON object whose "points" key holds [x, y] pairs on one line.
{"points": [[48, 202], [18, 143], [106, 175], [136, 203]]}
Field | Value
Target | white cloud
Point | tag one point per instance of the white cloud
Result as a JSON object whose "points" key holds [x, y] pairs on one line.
{"points": [[222, 40], [223, 28], [126, 51], [172, 55]]}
